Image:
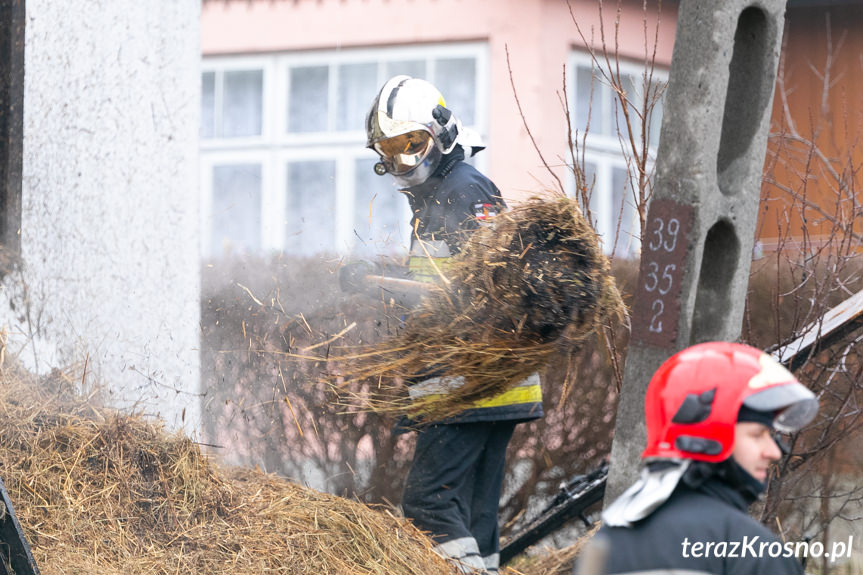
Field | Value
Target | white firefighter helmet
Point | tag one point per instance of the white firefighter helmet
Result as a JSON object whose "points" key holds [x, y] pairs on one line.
{"points": [[410, 128]]}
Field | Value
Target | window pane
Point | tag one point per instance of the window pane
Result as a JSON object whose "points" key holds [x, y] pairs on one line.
{"points": [[236, 209], [456, 79], [208, 104], [583, 89], [656, 115], [308, 102], [311, 208], [623, 210], [377, 212], [632, 86], [597, 205], [604, 102], [242, 106], [357, 89], [412, 68]]}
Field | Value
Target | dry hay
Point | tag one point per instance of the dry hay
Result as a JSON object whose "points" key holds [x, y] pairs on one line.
{"points": [[534, 284], [550, 561], [101, 493]]}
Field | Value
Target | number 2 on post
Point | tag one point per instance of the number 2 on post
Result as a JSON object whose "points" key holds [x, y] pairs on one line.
{"points": [[655, 323]]}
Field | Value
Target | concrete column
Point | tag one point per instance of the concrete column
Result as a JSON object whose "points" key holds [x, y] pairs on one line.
{"points": [[109, 222], [698, 240]]}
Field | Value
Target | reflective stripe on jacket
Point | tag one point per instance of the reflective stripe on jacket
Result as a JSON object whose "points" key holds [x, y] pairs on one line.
{"points": [[522, 402], [453, 201]]}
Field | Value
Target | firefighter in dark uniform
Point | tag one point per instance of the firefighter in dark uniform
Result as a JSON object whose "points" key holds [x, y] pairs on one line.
{"points": [[711, 412], [454, 485]]}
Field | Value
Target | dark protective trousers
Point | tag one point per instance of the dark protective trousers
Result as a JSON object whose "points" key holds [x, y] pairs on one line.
{"points": [[454, 485]]}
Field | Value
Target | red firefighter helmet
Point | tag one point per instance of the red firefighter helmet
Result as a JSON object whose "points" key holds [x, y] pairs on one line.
{"points": [[694, 398]]}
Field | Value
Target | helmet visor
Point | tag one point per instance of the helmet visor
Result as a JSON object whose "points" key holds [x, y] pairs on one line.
{"points": [[404, 152], [796, 405]]}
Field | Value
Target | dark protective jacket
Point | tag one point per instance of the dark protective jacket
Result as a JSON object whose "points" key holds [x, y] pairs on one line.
{"points": [[455, 200], [712, 515]]}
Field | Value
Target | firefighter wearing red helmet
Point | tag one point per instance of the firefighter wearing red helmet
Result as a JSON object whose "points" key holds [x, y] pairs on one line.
{"points": [[711, 411]]}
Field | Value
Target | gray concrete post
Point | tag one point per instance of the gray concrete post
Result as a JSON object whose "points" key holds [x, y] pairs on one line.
{"points": [[697, 246]]}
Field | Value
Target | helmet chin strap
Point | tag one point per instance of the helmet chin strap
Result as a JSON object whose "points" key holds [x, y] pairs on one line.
{"points": [[742, 480], [728, 471]]}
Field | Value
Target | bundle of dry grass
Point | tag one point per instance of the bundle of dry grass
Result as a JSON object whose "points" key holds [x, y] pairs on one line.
{"points": [[102, 493], [552, 561], [533, 283]]}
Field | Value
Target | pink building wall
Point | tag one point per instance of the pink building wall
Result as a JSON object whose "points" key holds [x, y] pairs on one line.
{"points": [[537, 34]]}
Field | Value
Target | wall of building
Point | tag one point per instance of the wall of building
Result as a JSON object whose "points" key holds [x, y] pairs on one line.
{"points": [[817, 125], [109, 226], [529, 43]]}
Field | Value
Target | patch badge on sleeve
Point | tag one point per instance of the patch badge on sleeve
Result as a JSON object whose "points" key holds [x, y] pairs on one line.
{"points": [[484, 211]]}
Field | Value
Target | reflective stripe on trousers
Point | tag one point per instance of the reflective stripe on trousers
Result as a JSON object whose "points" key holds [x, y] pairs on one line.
{"points": [[465, 552]]}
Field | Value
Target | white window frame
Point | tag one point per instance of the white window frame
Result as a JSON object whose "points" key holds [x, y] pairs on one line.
{"points": [[275, 146], [344, 168], [207, 163], [604, 210], [604, 151], [238, 64]]}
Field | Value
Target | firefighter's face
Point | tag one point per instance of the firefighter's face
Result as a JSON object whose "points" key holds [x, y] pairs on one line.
{"points": [[402, 153], [755, 449]]}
